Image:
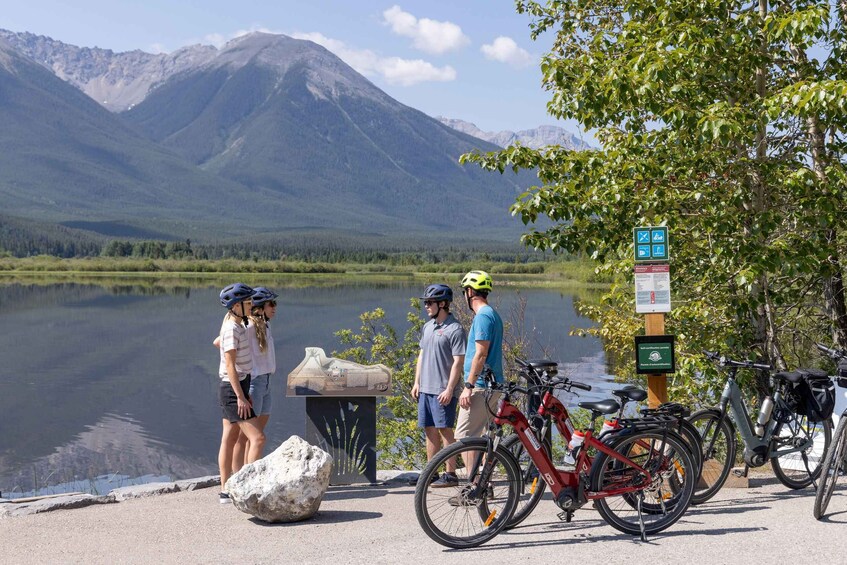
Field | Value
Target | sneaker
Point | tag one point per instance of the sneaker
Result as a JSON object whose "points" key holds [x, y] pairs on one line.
{"points": [[446, 480], [224, 498]]}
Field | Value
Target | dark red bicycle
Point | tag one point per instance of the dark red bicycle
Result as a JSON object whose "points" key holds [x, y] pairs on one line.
{"points": [[640, 478]]}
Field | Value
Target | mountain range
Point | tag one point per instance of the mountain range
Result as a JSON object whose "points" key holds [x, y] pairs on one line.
{"points": [[535, 138], [268, 134]]}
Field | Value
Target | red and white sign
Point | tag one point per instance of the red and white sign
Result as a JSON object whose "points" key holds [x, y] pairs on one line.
{"points": [[652, 288]]}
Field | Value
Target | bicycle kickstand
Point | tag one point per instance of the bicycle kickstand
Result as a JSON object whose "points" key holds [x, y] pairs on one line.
{"points": [[641, 516], [742, 474]]}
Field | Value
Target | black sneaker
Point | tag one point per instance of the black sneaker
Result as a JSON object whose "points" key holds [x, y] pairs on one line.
{"points": [[224, 498], [445, 481]]}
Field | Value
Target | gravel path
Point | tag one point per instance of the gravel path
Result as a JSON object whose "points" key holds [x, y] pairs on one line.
{"points": [[376, 524]]}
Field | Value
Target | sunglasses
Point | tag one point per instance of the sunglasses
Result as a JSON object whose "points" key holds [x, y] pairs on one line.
{"points": [[430, 302], [271, 303]]}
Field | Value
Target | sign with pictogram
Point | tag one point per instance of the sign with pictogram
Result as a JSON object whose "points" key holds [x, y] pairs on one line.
{"points": [[651, 244], [652, 288]]}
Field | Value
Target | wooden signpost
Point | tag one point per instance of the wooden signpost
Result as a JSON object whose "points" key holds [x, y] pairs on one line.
{"points": [[652, 295]]}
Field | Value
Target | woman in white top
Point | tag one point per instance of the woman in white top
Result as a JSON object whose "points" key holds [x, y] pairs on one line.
{"points": [[264, 362], [233, 394]]}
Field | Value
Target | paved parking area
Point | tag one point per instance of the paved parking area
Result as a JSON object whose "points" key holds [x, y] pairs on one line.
{"points": [[376, 524]]}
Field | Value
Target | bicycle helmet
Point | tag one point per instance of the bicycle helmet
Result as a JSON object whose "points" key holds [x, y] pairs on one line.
{"points": [[438, 292], [262, 295], [235, 293], [478, 280]]}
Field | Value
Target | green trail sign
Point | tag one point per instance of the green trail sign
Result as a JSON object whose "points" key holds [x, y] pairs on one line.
{"points": [[651, 244], [654, 354]]}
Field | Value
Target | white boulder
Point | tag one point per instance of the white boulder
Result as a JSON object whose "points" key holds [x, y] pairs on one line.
{"points": [[284, 486]]}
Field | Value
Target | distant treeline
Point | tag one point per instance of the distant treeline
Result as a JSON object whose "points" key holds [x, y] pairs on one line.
{"points": [[21, 238], [316, 252]]}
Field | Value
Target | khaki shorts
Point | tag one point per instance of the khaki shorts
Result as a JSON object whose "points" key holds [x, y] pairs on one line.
{"points": [[472, 422]]}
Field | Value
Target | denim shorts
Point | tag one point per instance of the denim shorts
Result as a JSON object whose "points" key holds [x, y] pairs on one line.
{"points": [[260, 394], [431, 414]]}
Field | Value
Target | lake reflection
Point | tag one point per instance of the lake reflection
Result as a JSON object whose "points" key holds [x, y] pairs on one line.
{"points": [[107, 386]]}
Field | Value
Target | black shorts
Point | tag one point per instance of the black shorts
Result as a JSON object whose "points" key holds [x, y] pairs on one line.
{"points": [[229, 401]]}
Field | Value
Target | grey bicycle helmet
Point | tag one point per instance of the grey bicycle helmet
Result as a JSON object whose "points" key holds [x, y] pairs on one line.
{"points": [[235, 293], [438, 292], [262, 295]]}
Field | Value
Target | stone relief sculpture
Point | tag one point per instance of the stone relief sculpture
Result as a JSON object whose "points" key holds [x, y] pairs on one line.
{"points": [[319, 375]]}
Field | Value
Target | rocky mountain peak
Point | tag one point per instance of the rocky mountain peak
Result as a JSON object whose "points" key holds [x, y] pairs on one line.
{"points": [[535, 138]]}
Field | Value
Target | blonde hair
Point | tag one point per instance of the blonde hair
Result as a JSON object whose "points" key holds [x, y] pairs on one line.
{"points": [[257, 316]]}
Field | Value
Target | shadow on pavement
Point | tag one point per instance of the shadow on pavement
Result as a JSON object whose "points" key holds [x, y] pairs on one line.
{"points": [[324, 517], [355, 491]]}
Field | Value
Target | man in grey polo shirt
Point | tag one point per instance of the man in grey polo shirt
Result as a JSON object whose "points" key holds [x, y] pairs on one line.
{"points": [[438, 376]]}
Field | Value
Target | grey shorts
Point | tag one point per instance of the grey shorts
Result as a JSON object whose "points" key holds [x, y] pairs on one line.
{"points": [[260, 394]]}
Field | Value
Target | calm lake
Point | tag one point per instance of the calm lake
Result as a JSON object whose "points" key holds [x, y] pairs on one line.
{"points": [[111, 385]]}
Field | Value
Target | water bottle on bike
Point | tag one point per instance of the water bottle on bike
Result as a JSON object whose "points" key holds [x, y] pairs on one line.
{"points": [[573, 449]]}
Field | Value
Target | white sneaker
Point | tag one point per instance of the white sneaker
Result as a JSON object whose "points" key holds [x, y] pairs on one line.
{"points": [[224, 498]]}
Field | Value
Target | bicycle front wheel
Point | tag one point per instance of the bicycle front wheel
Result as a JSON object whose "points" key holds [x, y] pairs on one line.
{"points": [[666, 456], [532, 486], [479, 506], [831, 468], [719, 445], [797, 469]]}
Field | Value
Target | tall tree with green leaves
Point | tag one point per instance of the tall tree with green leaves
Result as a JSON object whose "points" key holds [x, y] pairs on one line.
{"points": [[722, 119]]}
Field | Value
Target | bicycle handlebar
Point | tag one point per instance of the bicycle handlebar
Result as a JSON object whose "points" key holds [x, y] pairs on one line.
{"points": [[724, 361], [836, 354]]}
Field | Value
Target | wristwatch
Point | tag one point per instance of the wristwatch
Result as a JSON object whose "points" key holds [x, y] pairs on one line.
{"points": [[469, 384]]}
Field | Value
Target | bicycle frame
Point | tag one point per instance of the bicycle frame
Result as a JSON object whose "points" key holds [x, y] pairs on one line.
{"points": [[732, 398], [559, 480]]}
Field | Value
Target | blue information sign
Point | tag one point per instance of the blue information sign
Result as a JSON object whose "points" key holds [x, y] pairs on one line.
{"points": [[651, 244]]}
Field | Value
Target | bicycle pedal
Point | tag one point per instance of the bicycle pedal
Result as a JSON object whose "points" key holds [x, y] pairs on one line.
{"points": [[565, 516]]}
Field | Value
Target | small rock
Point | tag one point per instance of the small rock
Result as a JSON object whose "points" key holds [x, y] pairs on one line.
{"points": [[141, 491], [55, 503], [199, 482], [284, 486]]}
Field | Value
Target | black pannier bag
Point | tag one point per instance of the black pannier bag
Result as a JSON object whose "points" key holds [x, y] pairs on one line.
{"points": [[815, 395], [842, 373]]}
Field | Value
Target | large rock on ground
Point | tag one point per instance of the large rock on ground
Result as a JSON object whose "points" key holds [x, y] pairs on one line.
{"points": [[284, 486]]}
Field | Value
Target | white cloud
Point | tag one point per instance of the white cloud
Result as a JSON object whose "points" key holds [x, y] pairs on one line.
{"points": [[407, 72], [158, 49], [505, 50], [430, 36], [395, 70]]}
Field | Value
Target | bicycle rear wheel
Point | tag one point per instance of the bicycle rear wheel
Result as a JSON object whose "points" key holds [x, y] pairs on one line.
{"points": [[478, 508], [832, 466], [791, 468], [532, 486], [719, 445], [660, 503]]}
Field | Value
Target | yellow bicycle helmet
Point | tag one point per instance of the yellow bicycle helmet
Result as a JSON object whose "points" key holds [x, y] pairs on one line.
{"points": [[478, 280]]}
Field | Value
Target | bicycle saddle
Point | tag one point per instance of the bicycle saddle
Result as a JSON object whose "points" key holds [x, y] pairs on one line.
{"points": [[796, 376], [607, 406], [631, 393]]}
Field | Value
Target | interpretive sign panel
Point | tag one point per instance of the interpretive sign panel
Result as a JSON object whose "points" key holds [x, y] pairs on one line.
{"points": [[652, 289]]}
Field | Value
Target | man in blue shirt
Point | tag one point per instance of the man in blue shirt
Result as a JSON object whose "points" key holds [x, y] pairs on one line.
{"points": [[485, 347]]}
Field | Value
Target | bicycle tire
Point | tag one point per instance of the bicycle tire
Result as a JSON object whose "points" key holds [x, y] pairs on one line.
{"points": [[532, 486], [790, 468], [673, 462], [832, 464], [674, 484], [452, 519], [692, 437], [721, 457]]}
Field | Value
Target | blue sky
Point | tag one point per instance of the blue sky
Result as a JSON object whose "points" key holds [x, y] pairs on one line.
{"points": [[467, 59]]}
